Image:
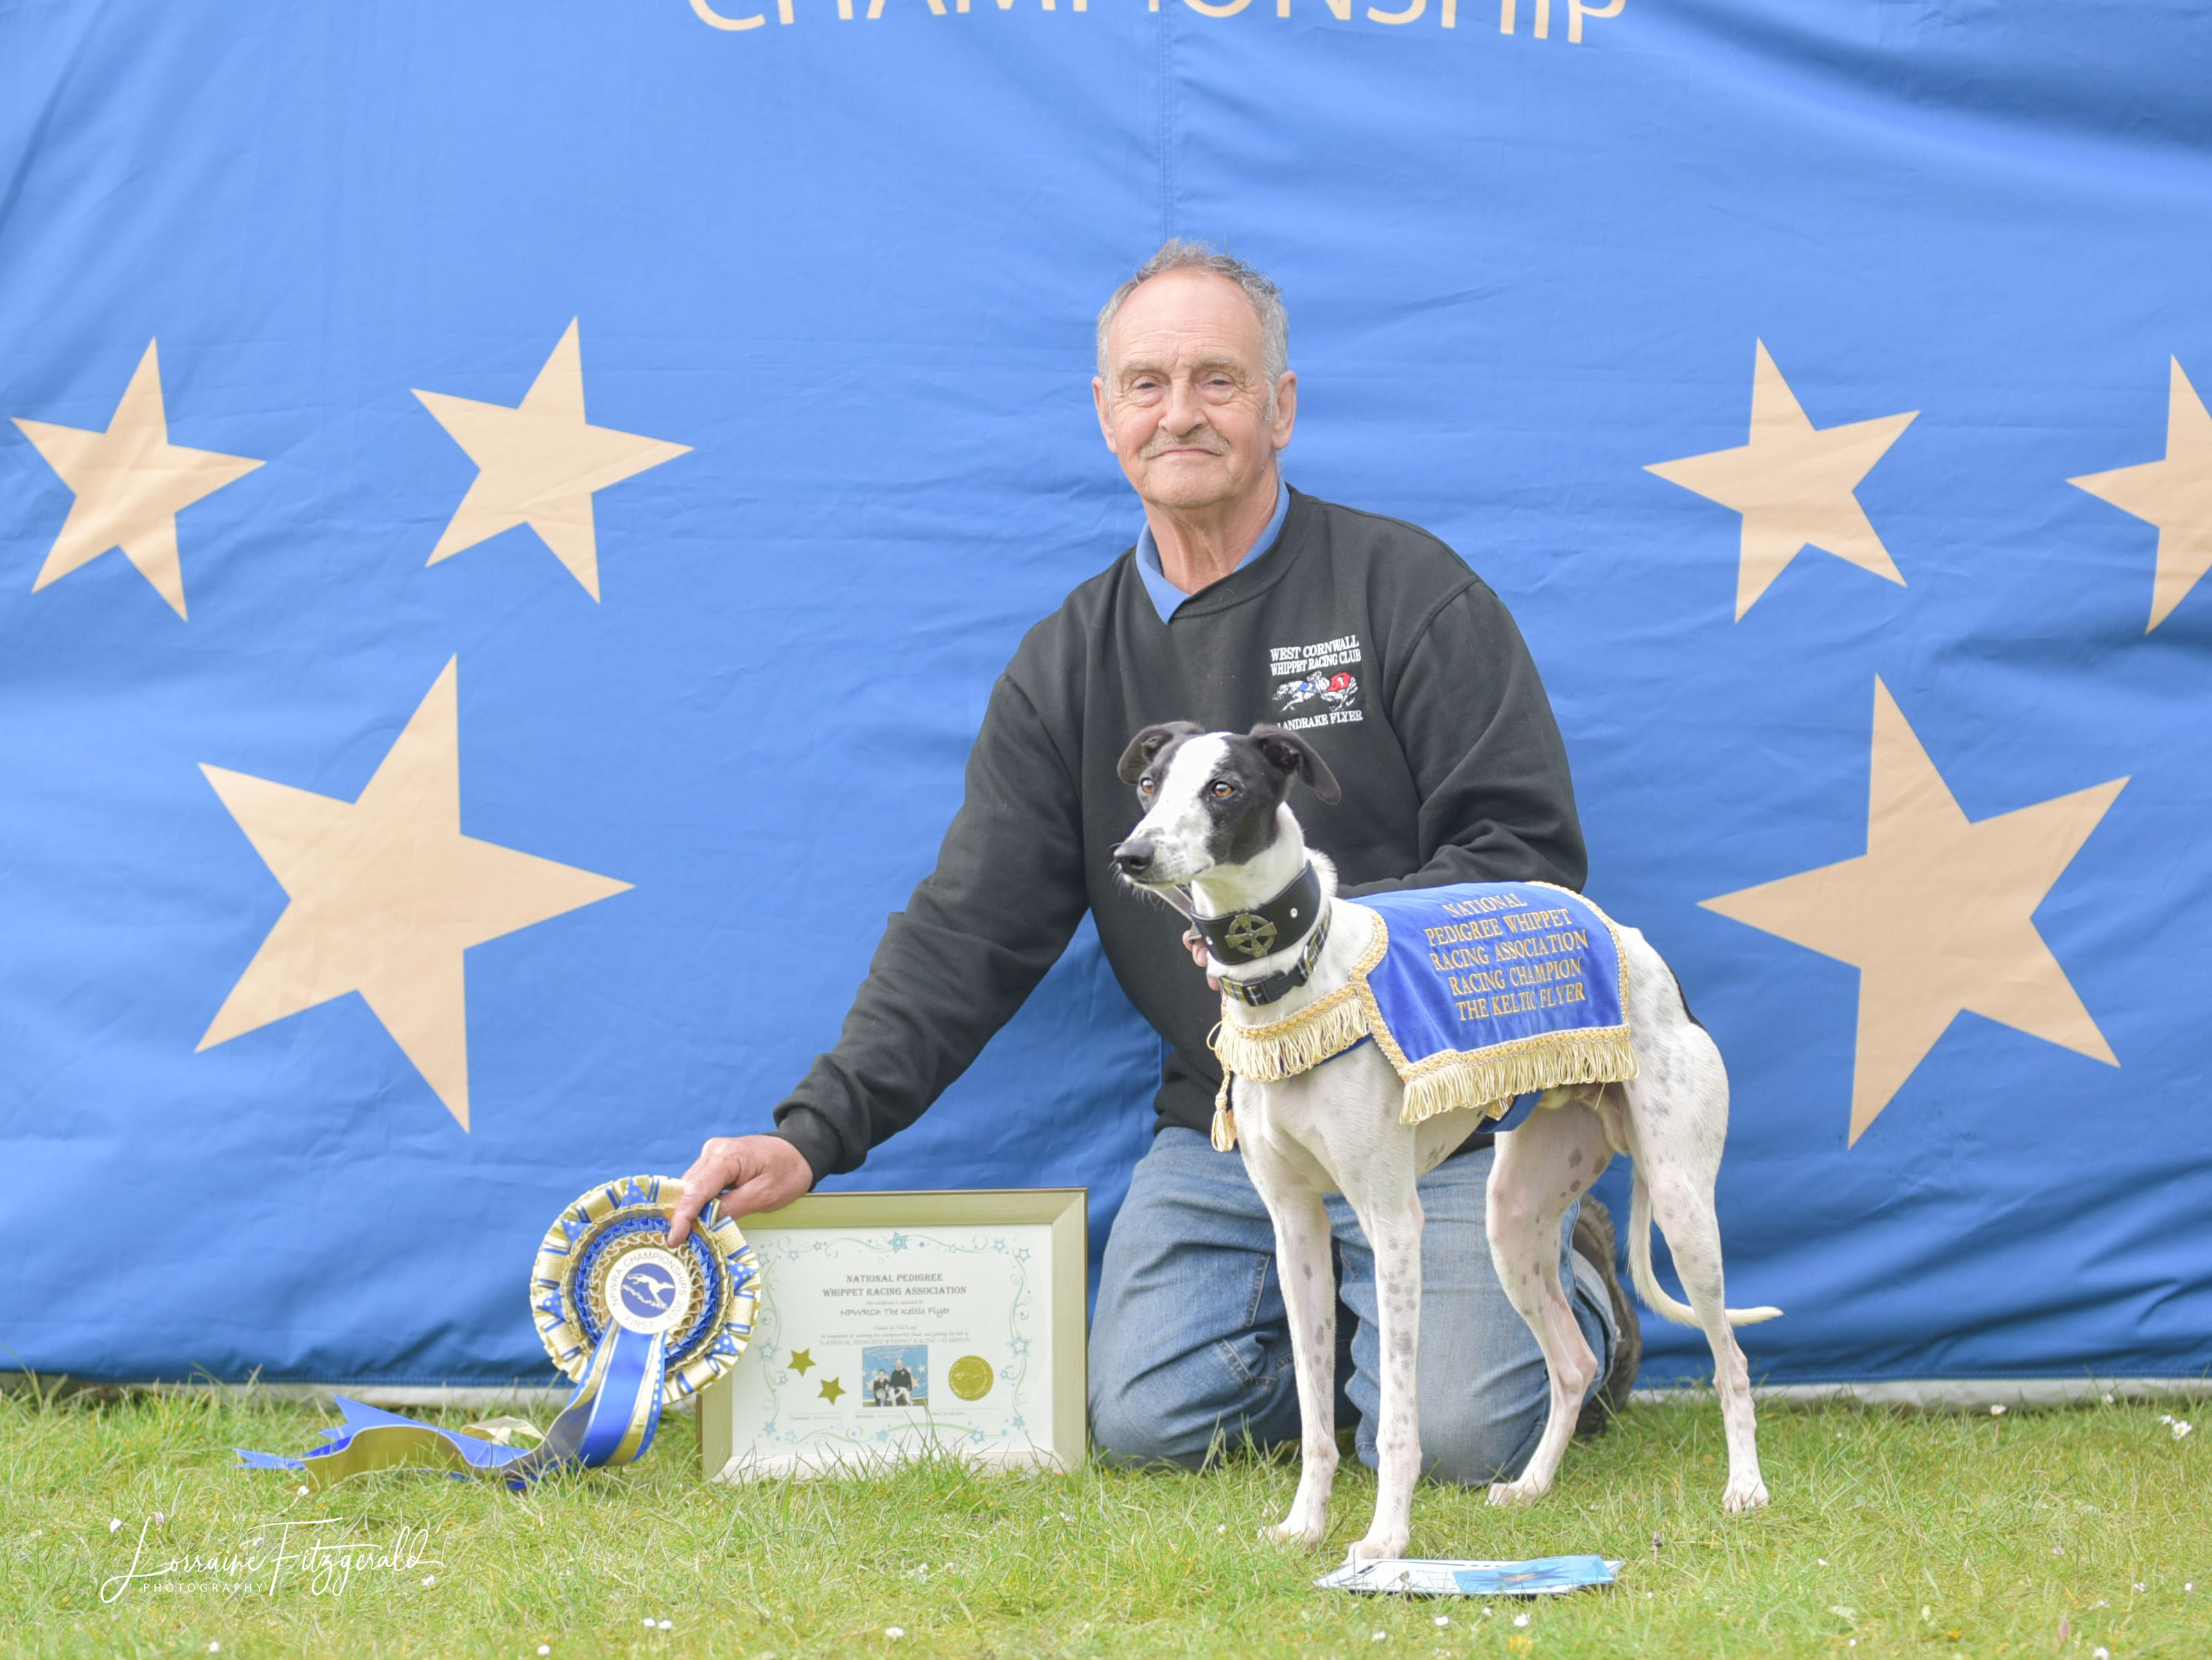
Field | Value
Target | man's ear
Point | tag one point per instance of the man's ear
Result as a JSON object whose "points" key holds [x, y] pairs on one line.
{"points": [[1145, 747], [1288, 752]]}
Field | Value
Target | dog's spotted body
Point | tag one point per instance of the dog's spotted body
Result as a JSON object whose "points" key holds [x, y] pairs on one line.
{"points": [[1216, 828]]}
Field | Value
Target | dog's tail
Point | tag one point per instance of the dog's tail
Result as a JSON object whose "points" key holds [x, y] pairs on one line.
{"points": [[1647, 1283]]}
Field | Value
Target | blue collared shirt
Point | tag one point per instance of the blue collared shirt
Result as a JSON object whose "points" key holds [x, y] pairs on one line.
{"points": [[1167, 598]]}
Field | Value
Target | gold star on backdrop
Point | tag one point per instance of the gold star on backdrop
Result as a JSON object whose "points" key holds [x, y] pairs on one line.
{"points": [[538, 463], [2175, 495], [386, 895], [130, 483], [1937, 915], [832, 1391], [802, 1361], [1792, 483]]}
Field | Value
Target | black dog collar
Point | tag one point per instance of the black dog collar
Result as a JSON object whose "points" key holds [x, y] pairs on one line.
{"points": [[1247, 936], [1257, 994]]}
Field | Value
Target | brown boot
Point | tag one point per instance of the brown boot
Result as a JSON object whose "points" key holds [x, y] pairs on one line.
{"points": [[1593, 1241]]}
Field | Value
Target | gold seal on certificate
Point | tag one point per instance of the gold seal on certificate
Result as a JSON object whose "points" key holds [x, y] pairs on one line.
{"points": [[970, 1377], [897, 1324]]}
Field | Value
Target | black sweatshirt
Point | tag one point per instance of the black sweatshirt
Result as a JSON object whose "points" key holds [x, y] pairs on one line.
{"points": [[1366, 634]]}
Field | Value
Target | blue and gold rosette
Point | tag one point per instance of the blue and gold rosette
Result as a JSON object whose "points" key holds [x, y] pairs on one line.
{"points": [[635, 1323]]}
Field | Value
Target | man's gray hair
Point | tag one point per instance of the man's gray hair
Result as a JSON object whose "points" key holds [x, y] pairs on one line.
{"points": [[1177, 254]]}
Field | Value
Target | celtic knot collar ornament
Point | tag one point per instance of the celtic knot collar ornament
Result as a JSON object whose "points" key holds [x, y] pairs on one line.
{"points": [[1258, 994], [1252, 934]]}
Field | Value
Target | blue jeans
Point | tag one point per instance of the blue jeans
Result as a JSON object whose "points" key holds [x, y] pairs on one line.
{"points": [[1189, 1344]]}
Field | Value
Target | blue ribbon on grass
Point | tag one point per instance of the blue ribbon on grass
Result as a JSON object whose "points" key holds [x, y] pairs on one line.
{"points": [[610, 1420]]}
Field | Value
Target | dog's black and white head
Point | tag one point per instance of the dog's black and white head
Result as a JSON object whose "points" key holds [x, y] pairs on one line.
{"points": [[1211, 798]]}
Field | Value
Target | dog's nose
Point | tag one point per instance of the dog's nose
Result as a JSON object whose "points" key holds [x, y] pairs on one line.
{"points": [[1133, 857]]}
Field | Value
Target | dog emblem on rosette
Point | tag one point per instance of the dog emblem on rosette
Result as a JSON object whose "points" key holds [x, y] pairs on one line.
{"points": [[1254, 936]]}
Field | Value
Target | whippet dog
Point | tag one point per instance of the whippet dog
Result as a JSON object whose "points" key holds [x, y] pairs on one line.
{"points": [[1217, 838]]}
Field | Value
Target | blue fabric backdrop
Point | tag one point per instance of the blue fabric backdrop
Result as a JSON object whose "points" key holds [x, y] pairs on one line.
{"points": [[851, 262]]}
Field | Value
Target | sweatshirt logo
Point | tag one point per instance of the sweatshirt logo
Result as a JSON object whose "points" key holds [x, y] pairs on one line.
{"points": [[1314, 684]]}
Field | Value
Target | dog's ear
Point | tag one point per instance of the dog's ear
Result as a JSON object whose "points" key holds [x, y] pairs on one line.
{"points": [[1288, 752], [1147, 744]]}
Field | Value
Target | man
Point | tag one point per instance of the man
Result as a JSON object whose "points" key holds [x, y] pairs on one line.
{"points": [[1242, 600]]}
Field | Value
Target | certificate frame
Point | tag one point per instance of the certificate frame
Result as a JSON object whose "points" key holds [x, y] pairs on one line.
{"points": [[1064, 1211]]}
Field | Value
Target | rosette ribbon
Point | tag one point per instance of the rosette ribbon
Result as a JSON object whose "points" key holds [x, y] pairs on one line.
{"points": [[637, 1324]]}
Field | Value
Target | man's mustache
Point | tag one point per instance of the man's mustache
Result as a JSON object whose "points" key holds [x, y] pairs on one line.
{"points": [[1204, 439]]}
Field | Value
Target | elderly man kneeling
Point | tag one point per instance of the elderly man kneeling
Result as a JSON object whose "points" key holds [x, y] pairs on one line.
{"points": [[1241, 601]]}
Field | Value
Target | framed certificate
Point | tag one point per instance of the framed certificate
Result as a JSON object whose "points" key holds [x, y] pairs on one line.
{"points": [[893, 1324]]}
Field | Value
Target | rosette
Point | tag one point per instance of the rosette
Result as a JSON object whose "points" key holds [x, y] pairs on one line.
{"points": [[606, 1267], [635, 1323]]}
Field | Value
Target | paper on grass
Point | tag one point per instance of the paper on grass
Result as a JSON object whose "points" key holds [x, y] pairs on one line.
{"points": [[1545, 1576]]}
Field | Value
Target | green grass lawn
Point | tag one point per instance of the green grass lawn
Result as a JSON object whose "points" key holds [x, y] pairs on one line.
{"points": [[1890, 1533]]}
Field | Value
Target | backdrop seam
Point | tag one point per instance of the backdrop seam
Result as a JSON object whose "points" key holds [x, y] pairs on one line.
{"points": [[1167, 128]]}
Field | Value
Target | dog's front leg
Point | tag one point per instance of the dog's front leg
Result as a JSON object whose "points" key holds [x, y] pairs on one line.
{"points": [[1393, 1234], [1301, 1264]]}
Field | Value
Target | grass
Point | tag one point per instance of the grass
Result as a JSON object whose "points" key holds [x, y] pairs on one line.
{"points": [[1890, 1534]]}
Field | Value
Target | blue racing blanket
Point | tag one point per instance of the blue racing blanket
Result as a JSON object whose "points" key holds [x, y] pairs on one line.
{"points": [[1477, 993]]}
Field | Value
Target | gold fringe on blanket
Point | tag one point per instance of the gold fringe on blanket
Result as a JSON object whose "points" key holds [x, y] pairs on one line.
{"points": [[1283, 1049], [1491, 1079]]}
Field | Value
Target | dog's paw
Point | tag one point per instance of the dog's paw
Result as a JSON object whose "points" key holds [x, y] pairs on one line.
{"points": [[1744, 1496], [1377, 1547], [1517, 1493], [1290, 1531]]}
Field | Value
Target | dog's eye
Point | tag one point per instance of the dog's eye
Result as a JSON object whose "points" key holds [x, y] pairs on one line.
{"points": [[1222, 789], [1144, 786]]}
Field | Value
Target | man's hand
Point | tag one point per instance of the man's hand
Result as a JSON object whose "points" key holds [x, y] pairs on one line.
{"points": [[746, 1173], [1196, 942]]}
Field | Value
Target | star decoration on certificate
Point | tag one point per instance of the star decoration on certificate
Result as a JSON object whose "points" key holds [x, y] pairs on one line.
{"points": [[2175, 494], [801, 1362], [130, 483], [540, 462], [1794, 483], [1937, 915], [386, 895], [832, 1391]]}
